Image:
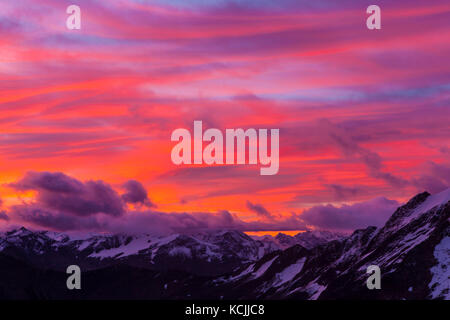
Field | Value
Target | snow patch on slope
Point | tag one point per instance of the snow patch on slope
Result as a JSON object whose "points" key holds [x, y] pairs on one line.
{"points": [[315, 289], [261, 270], [125, 250], [440, 282], [289, 273], [180, 251], [431, 202]]}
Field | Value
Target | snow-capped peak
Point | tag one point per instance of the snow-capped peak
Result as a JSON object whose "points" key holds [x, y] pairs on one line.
{"points": [[415, 208], [435, 200]]}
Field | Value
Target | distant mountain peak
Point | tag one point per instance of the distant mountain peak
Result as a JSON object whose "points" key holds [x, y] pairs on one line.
{"points": [[415, 207], [22, 231], [308, 239]]}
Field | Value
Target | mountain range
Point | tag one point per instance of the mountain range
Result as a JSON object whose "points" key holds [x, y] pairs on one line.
{"points": [[412, 251]]}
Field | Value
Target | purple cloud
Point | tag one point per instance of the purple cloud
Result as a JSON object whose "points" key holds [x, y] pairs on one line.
{"points": [[187, 222], [136, 194], [258, 209], [341, 192], [350, 147], [154, 222], [66, 204], [350, 217], [54, 220], [57, 191], [435, 177], [4, 216]]}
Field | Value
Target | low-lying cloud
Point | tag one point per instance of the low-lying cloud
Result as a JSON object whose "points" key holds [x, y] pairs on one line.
{"points": [[373, 212], [136, 194], [57, 191], [258, 209], [64, 203]]}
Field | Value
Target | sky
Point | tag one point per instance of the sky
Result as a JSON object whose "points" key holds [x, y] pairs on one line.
{"points": [[86, 115]]}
